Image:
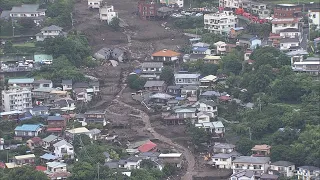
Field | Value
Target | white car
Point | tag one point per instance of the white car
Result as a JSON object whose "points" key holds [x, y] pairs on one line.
{"points": [[199, 14]]}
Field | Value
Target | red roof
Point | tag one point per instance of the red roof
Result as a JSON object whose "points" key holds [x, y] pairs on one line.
{"points": [[36, 140], [250, 61], [41, 168], [225, 98], [54, 129], [2, 165], [147, 147]]}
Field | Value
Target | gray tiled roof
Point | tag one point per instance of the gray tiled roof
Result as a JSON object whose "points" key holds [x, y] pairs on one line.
{"points": [[154, 84], [288, 40], [152, 65], [224, 146], [52, 28], [254, 160], [290, 30], [243, 173], [67, 82], [25, 8], [42, 81], [282, 163]]}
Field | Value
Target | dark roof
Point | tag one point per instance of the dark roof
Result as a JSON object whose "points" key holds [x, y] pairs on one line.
{"points": [[55, 118], [41, 81], [95, 112], [67, 82], [174, 87], [210, 103], [243, 173], [80, 85], [94, 83], [197, 56], [288, 40], [154, 84], [152, 64], [282, 163], [106, 154], [269, 176], [310, 168], [63, 102], [290, 30], [39, 108]]}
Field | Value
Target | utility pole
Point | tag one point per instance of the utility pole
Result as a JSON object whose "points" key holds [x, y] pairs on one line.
{"points": [[250, 133], [259, 100], [98, 171], [71, 19], [12, 27]]}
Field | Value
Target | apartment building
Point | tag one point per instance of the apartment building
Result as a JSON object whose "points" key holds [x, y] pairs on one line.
{"points": [[287, 11], [310, 65], [259, 9], [258, 165], [147, 9], [24, 82], [219, 22], [187, 79], [107, 13], [16, 98]]}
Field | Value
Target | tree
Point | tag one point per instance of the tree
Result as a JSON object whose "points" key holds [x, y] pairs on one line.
{"points": [[244, 146], [142, 174], [135, 82], [212, 38], [82, 171], [59, 13], [26, 23], [80, 141], [115, 23], [188, 22], [232, 62], [25, 172], [198, 135], [8, 47], [169, 169], [167, 75]]}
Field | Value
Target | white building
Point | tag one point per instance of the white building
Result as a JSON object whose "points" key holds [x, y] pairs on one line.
{"points": [[259, 165], [314, 17], [287, 43], [230, 3], [243, 175], [186, 79], [224, 161], [63, 148], [180, 3], [308, 172], [281, 24], [220, 47], [285, 168], [311, 66], [218, 22], [291, 33], [94, 4], [209, 106], [50, 32], [16, 98], [107, 13], [53, 167], [260, 9]]}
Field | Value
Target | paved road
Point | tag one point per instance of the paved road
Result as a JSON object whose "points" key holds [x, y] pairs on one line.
{"points": [[147, 126], [304, 42]]}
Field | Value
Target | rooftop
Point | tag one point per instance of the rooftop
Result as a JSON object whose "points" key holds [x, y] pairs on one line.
{"points": [[290, 40], [28, 156], [290, 30], [43, 89], [78, 130], [41, 57], [48, 156], [209, 78], [55, 118], [200, 44], [56, 164], [261, 147], [200, 49], [170, 155], [61, 143], [148, 146], [21, 81], [25, 8], [154, 84], [253, 160], [52, 28], [282, 163], [243, 173], [161, 96], [50, 138], [187, 76], [166, 53], [28, 127], [152, 65], [224, 146]]}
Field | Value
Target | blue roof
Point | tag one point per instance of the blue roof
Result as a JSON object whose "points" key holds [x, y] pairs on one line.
{"points": [[28, 127], [238, 28], [137, 71], [17, 81], [200, 49], [55, 118], [48, 156], [179, 98]]}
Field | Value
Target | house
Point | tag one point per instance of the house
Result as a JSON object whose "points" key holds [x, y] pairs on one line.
{"points": [[186, 113], [155, 86], [66, 85], [288, 43], [243, 175], [260, 9], [165, 55], [34, 142], [201, 50], [95, 117], [16, 99], [210, 95], [193, 57], [208, 81], [291, 33], [212, 127], [297, 56], [50, 32], [152, 68], [126, 164], [81, 94], [42, 95], [217, 22], [94, 133], [76, 131], [42, 83], [178, 3], [94, 4], [59, 175], [171, 158], [28, 130], [147, 9], [187, 79], [261, 150], [224, 148], [224, 161], [132, 148], [308, 172], [56, 123], [259, 165], [95, 86], [201, 44], [107, 13], [24, 82], [160, 98], [203, 117], [31, 11], [208, 106], [103, 54], [24, 159], [148, 147], [42, 111], [247, 54], [64, 104], [282, 11], [220, 47], [224, 98], [1, 144], [174, 90], [49, 141], [57, 170], [310, 65], [189, 91], [234, 32], [232, 4], [48, 157], [63, 148], [314, 17], [164, 11], [285, 168], [249, 41], [153, 156], [284, 23]]}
